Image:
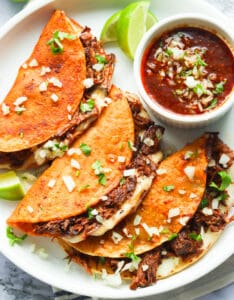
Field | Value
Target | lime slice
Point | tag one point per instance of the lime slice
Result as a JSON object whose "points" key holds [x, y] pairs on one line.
{"points": [[150, 20], [132, 26], [10, 186], [109, 30]]}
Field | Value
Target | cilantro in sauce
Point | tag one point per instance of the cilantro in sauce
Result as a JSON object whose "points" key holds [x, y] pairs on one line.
{"points": [[14, 239]]}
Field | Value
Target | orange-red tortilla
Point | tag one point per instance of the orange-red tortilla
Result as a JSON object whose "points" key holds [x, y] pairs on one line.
{"points": [[154, 210], [108, 139], [44, 118]]}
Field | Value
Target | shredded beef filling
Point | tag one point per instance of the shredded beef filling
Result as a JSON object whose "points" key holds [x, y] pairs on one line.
{"points": [[147, 277]]}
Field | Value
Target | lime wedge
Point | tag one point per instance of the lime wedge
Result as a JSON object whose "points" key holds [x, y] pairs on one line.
{"points": [[132, 26], [150, 20], [10, 186], [109, 30]]}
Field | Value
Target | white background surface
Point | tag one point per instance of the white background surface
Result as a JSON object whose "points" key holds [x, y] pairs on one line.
{"points": [[14, 284]]}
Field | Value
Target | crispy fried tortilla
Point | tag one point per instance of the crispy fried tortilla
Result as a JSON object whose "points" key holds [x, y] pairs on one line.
{"points": [[184, 248], [172, 191], [104, 140], [44, 104], [113, 177]]}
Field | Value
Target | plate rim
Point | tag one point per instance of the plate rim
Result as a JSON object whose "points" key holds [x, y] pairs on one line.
{"points": [[31, 8]]}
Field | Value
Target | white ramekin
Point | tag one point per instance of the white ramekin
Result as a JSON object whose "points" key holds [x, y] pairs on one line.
{"points": [[167, 24]]}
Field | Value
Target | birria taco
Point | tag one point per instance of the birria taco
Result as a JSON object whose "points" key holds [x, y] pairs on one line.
{"points": [[100, 180], [59, 91], [179, 220]]}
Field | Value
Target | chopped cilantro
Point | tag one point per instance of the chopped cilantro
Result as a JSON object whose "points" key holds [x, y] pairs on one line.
{"points": [[102, 179], [219, 87], [221, 197], [14, 239], [172, 236], [213, 104], [122, 181], [130, 145], [169, 52], [85, 149], [200, 62], [225, 182], [132, 256], [89, 212], [77, 173], [55, 42], [195, 237], [87, 106], [186, 73], [165, 230], [168, 188], [199, 90], [203, 203], [101, 59]]}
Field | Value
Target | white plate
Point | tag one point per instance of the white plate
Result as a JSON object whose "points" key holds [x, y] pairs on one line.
{"points": [[17, 39]]}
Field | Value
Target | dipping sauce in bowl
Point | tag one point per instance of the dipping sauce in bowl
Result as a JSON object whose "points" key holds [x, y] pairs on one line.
{"points": [[188, 70]]}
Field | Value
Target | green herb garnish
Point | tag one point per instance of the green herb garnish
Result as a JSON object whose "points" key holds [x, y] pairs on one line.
{"points": [[55, 42], [87, 106], [14, 239], [85, 149], [122, 181], [101, 59], [225, 182], [203, 203], [102, 179], [168, 188], [219, 87], [172, 236], [199, 90], [195, 237], [169, 52], [133, 257], [200, 62], [89, 212], [213, 104], [130, 145]]}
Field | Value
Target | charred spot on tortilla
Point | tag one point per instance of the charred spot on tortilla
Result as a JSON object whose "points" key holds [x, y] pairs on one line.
{"points": [[65, 80]]}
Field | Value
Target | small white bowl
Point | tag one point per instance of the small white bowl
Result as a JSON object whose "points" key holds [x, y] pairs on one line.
{"points": [[166, 25]]}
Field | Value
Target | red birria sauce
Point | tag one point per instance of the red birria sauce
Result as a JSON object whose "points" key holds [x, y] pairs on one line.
{"points": [[188, 71]]}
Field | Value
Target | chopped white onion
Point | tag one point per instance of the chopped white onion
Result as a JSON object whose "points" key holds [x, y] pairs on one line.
{"points": [[137, 230], [104, 198], [116, 237], [43, 87], [111, 279], [51, 183], [42, 253], [215, 203], [98, 67], [144, 268], [45, 70], [129, 172], [20, 100], [191, 82], [181, 192], [224, 159], [88, 83], [151, 230], [69, 182], [173, 212], [75, 164], [137, 220], [54, 97], [161, 171], [189, 172], [56, 82], [125, 231], [121, 159], [148, 141], [207, 211], [192, 196], [183, 220], [33, 63], [5, 109], [30, 209], [72, 151]]}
